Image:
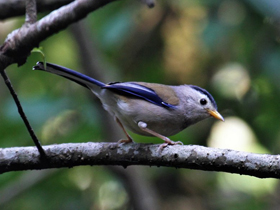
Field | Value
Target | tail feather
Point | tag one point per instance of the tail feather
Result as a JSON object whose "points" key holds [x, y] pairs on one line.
{"points": [[77, 77]]}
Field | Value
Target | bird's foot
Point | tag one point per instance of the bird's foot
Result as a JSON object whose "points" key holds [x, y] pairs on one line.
{"points": [[125, 141], [169, 142]]}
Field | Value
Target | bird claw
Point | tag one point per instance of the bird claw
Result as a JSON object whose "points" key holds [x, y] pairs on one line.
{"points": [[178, 143], [125, 141], [162, 146]]}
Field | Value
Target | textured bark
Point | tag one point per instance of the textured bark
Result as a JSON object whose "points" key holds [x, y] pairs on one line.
{"points": [[13, 8], [188, 156], [20, 42]]}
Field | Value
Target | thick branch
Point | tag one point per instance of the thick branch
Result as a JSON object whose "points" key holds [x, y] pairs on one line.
{"points": [[13, 8], [189, 156], [20, 42]]}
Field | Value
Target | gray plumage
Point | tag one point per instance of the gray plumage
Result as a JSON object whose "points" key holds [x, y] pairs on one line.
{"points": [[148, 109]]}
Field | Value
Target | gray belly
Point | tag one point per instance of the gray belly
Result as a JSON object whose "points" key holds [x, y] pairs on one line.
{"points": [[165, 121]]}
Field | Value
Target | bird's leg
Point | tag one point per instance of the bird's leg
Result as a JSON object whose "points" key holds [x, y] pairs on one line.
{"points": [[129, 139], [167, 141]]}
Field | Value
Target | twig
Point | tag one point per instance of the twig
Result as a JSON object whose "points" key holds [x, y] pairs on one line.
{"points": [[22, 114], [30, 12], [178, 156]]}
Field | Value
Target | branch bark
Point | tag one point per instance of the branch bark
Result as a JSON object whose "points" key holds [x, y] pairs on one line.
{"points": [[20, 42], [188, 156], [13, 8], [31, 12]]}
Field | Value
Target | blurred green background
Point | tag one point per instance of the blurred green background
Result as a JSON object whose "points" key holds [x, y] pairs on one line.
{"points": [[231, 48]]}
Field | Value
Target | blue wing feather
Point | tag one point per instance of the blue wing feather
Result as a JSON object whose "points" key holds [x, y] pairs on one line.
{"points": [[133, 89]]}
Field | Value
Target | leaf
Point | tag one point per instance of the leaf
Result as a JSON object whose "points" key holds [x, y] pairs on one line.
{"points": [[40, 50]]}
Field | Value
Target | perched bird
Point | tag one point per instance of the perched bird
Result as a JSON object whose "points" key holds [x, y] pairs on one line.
{"points": [[147, 109]]}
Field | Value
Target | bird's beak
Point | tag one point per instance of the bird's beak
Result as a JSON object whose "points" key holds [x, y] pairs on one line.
{"points": [[216, 114]]}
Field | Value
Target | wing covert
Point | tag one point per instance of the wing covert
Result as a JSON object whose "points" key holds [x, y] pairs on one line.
{"points": [[139, 91]]}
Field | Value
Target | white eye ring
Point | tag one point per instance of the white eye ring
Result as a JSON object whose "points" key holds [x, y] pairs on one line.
{"points": [[203, 101]]}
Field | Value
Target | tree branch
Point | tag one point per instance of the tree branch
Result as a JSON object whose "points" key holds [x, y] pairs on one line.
{"points": [[13, 8], [20, 42], [22, 114], [31, 12], [188, 156]]}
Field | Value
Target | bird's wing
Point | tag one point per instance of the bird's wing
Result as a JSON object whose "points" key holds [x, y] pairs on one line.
{"points": [[138, 91]]}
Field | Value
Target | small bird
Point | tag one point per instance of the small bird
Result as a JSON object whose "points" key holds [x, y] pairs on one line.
{"points": [[147, 109]]}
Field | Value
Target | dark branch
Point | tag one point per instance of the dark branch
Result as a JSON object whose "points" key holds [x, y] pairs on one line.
{"points": [[188, 156], [20, 42], [13, 8], [22, 114]]}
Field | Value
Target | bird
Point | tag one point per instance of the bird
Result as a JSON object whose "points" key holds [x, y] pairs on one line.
{"points": [[147, 109]]}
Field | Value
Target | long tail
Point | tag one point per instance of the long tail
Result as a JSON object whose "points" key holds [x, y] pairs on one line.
{"points": [[77, 77]]}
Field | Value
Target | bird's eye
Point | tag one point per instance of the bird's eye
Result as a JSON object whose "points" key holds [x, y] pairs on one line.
{"points": [[203, 101]]}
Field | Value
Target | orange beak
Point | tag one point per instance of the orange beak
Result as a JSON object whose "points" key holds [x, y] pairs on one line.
{"points": [[216, 114]]}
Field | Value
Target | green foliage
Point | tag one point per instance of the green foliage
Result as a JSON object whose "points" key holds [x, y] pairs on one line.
{"points": [[227, 47], [40, 50]]}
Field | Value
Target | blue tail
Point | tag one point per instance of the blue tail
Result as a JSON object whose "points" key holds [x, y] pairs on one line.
{"points": [[128, 89], [69, 74]]}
